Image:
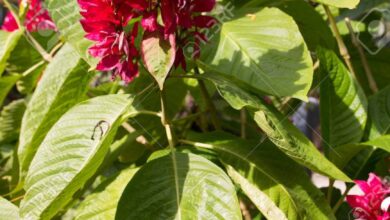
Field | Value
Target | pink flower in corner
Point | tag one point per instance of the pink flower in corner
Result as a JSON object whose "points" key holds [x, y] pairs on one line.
{"points": [[37, 18], [368, 206]]}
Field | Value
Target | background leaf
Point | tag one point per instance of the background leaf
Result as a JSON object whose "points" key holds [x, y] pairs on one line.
{"points": [[6, 84], [265, 52], [379, 112], [343, 103], [10, 121], [179, 186], [62, 86], [71, 153], [340, 3]]}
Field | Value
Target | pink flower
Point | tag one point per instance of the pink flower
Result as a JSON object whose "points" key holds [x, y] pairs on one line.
{"points": [[186, 16], [107, 23], [104, 21], [37, 18], [368, 206]]}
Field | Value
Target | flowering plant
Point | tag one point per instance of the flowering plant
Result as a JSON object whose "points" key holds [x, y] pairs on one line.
{"points": [[194, 109]]}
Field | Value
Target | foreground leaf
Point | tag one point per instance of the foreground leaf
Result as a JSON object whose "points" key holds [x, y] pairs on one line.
{"points": [[179, 186], [340, 3], [158, 55], [278, 128], [268, 177], [264, 51], [10, 121], [103, 201], [8, 42], [63, 85], [8, 211], [71, 153], [343, 103], [66, 16]]}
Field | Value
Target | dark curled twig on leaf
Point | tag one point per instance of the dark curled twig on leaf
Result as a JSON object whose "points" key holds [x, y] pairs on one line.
{"points": [[99, 125]]}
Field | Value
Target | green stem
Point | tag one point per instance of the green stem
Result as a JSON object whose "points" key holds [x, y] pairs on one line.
{"points": [[330, 190], [165, 120], [33, 68], [46, 56], [343, 49], [341, 200], [210, 105], [363, 58]]}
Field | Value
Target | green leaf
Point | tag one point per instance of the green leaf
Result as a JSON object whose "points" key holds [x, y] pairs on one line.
{"points": [[10, 121], [6, 84], [66, 16], [103, 201], [314, 29], [340, 3], [71, 153], [278, 128], [265, 51], [158, 55], [179, 186], [268, 177], [343, 102], [379, 112], [349, 151], [8, 42], [8, 211], [63, 85], [25, 60]]}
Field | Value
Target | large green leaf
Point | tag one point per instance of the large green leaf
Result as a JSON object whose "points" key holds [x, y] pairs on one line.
{"points": [[268, 177], [264, 51], [8, 42], [6, 84], [158, 55], [277, 127], [349, 151], [10, 121], [179, 186], [66, 16], [71, 153], [63, 85], [379, 112], [340, 3], [314, 29], [343, 103], [8, 211], [103, 201]]}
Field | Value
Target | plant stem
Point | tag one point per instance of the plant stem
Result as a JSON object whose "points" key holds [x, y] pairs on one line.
{"points": [[209, 102], [33, 68], [341, 200], [165, 120], [363, 58], [46, 56], [343, 49], [330, 190]]}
